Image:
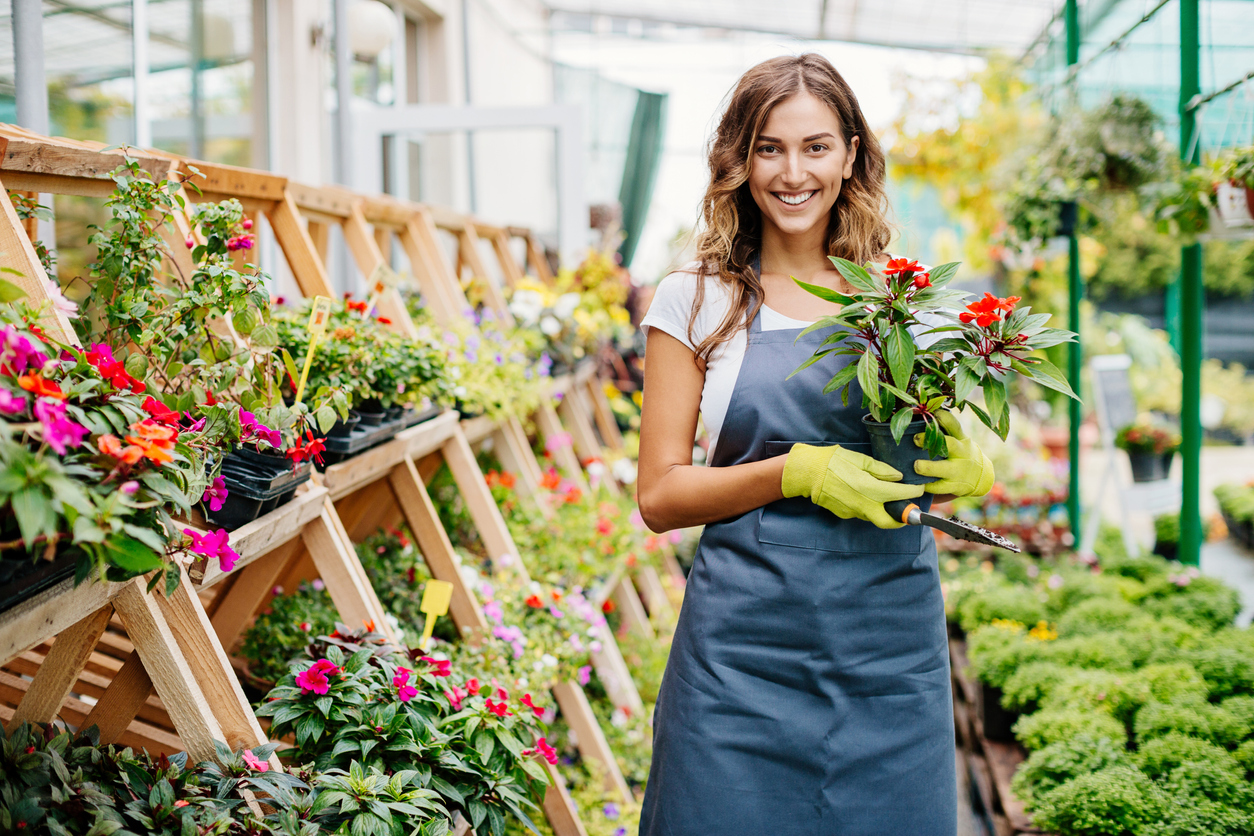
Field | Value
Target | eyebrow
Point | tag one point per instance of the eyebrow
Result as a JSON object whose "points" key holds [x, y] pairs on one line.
{"points": [[807, 139]]}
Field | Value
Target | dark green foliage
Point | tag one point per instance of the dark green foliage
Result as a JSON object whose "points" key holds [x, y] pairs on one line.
{"points": [[1115, 801], [1059, 762]]}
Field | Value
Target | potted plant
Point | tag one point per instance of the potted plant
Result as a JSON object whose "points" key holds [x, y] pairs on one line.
{"points": [[1150, 449], [1237, 169], [906, 382], [1183, 204]]}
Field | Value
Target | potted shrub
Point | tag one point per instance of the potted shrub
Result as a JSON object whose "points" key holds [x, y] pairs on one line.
{"points": [[906, 382], [1150, 449], [1183, 204], [1237, 168], [1236, 505]]}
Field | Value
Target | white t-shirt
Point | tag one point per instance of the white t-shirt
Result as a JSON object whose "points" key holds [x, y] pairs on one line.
{"points": [[670, 311]]}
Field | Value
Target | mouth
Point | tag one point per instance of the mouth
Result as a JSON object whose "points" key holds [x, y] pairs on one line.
{"points": [[795, 198]]}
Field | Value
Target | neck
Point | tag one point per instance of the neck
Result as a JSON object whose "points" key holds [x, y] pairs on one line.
{"points": [[801, 254]]}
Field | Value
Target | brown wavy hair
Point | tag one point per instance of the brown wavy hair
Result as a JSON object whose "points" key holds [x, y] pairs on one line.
{"points": [[732, 223]]}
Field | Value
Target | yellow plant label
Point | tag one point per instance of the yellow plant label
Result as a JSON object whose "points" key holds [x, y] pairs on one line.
{"points": [[435, 600], [318, 318]]}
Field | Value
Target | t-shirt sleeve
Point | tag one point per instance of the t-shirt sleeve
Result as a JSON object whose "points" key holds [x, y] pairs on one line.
{"points": [[671, 308]]}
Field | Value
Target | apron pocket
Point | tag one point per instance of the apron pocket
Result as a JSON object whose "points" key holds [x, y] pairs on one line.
{"points": [[799, 523]]}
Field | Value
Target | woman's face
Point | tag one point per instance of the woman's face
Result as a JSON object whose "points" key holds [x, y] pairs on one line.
{"points": [[799, 163]]}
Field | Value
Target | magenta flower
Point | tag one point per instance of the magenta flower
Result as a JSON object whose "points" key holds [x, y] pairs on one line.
{"points": [[401, 676], [216, 494], [251, 428], [557, 441], [130, 487], [441, 665], [11, 404], [404, 691], [584, 675], [214, 544], [16, 351], [59, 432], [254, 762], [325, 666], [312, 682]]}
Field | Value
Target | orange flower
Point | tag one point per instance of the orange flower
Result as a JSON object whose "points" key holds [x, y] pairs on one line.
{"points": [[111, 445], [574, 495], [156, 441], [359, 307], [901, 265], [988, 310], [507, 479], [550, 480], [33, 382]]}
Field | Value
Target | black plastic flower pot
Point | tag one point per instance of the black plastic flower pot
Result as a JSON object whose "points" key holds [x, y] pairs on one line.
{"points": [[394, 413], [22, 578], [901, 455], [1068, 214], [260, 473], [1166, 550], [413, 417], [237, 509], [998, 723], [271, 461], [1149, 467], [249, 498], [342, 428]]}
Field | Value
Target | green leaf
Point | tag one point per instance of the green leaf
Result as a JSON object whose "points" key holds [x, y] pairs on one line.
{"points": [[9, 292], [326, 418], [994, 395], [965, 382], [34, 514], [130, 555], [485, 742], [841, 379], [855, 275], [899, 348], [942, 275], [825, 322], [934, 440], [1046, 374], [868, 376], [290, 365], [824, 293], [901, 420]]}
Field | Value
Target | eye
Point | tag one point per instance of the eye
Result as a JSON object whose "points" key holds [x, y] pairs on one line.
{"points": [[818, 147], [767, 149]]}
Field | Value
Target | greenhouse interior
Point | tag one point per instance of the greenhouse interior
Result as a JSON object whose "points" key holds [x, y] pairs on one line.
{"points": [[398, 440]]}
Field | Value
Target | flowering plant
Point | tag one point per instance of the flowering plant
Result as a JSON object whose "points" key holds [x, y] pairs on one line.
{"points": [[1144, 437], [546, 319], [903, 378], [92, 467]]}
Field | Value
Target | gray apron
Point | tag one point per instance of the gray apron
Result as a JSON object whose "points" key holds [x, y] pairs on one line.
{"points": [[807, 691]]}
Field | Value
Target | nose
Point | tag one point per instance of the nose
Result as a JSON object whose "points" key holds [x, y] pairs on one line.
{"points": [[794, 170]]}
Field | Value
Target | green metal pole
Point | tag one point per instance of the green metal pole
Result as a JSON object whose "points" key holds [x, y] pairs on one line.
{"points": [[1191, 302], [1075, 293]]}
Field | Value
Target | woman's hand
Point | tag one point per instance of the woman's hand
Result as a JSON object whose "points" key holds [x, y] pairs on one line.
{"points": [[967, 471], [849, 484]]}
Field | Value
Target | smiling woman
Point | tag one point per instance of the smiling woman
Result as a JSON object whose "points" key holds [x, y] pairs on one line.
{"points": [[807, 689]]}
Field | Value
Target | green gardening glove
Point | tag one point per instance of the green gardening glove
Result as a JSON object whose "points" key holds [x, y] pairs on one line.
{"points": [[967, 471], [849, 484]]}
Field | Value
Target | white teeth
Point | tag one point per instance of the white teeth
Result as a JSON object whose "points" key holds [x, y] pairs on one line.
{"points": [[795, 199]]}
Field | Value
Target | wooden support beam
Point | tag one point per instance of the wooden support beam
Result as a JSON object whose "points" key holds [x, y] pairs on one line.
{"points": [[470, 255], [235, 609], [509, 265], [585, 441], [369, 259], [117, 707], [538, 260], [603, 413], [631, 609], [298, 248], [17, 255], [320, 237], [337, 564], [591, 740], [653, 594], [558, 807], [479, 502], [435, 546], [550, 426], [613, 672], [52, 684]]}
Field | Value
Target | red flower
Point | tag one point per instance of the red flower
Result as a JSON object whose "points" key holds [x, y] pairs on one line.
{"points": [[472, 686], [607, 606], [573, 494], [383, 320], [544, 750], [101, 356], [160, 411], [441, 665], [604, 526], [359, 307], [550, 480], [534, 602], [312, 682], [901, 265], [500, 709], [526, 700], [923, 280], [34, 382], [988, 310]]}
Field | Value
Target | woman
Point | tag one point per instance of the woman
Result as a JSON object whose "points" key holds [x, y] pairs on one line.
{"points": [[807, 690]]}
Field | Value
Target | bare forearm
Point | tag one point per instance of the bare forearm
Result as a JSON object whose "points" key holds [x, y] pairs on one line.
{"points": [[687, 495]]}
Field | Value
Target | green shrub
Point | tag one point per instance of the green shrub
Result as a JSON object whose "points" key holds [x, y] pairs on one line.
{"points": [[1105, 652], [1051, 725], [1242, 708], [1059, 762], [1151, 640], [1197, 719], [1205, 602], [1227, 670], [1013, 603], [1096, 615], [1031, 684], [1244, 755], [1114, 801], [996, 653], [1118, 693], [1077, 586], [1159, 757], [1173, 682], [1219, 780], [1192, 816]]}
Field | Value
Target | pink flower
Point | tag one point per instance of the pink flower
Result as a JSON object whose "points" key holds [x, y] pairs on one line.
{"points": [[441, 666], [190, 242], [216, 494], [401, 676], [556, 441], [63, 306], [472, 686], [255, 762], [405, 693], [455, 696], [214, 544], [312, 682], [59, 432], [494, 612], [240, 242], [500, 709], [546, 751], [17, 353], [305, 626], [318, 584], [584, 675], [130, 487], [325, 667], [247, 223], [252, 429], [11, 404]]}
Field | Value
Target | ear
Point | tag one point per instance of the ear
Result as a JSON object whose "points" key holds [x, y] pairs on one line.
{"points": [[853, 155]]}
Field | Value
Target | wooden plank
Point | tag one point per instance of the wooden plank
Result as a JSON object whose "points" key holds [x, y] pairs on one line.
{"points": [[614, 674], [298, 248], [653, 594], [127, 692], [509, 265], [30, 156], [218, 181], [479, 502], [584, 440], [172, 674], [550, 426], [364, 512], [320, 236], [590, 739], [431, 269], [51, 612], [92, 683], [211, 668], [1003, 759], [428, 466], [61, 667], [468, 249], [558, 807], [435, 546], [234, 611], [607, 425], [477, 429], [523, 446], [369, 258], [537, 259], [346, 477], [516, 457], [340, 569], [631, 609], [17, 254], [383, 240], [337, 203]]}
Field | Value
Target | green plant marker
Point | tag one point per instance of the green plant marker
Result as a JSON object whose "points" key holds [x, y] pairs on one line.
{"points": [[436, 596], [317, 327]]}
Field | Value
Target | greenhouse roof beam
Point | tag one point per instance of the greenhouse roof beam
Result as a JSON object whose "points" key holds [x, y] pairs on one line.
{"points": [[1199, 100], [1075, 69], [64, 7]]}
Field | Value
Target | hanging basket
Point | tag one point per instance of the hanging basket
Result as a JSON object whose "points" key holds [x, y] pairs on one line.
{"points": [[1235, 205], [1150, 467]]}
